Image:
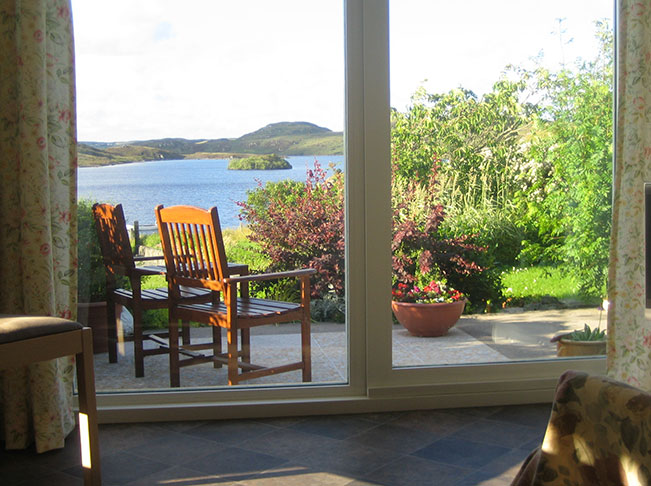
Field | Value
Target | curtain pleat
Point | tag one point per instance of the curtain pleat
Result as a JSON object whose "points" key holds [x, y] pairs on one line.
{"points": [[37, 208], [629, 342]]}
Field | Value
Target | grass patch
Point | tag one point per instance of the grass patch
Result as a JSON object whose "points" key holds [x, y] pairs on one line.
{"points": [[543, 285]]}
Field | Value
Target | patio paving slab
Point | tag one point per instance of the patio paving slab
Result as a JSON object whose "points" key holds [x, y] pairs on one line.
{"points": [[485, 338]]}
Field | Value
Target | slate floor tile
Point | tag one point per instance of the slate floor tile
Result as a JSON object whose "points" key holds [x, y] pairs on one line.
{"points": [[121, 468], [535, 415], [234, 464], [287, 443], [176, 449], [414, 471], [505, 434], [346, 457], [462, 453], [394, 438], [333, 426], [230, 431]]}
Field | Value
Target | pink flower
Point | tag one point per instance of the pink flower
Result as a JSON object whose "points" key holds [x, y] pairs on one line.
{"points": [[64, 115], [647, 340], [66, 314], [41, 142], [45, 249], [38, 36]]}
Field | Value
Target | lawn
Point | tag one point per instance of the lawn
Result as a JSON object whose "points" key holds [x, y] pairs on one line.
{"points": [[546, 285]]}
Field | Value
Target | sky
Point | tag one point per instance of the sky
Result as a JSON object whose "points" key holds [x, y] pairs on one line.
{"points": [[200, 69]]}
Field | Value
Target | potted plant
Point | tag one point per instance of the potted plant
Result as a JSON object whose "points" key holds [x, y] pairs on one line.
{"points": [[430, 311], [581, 342]]}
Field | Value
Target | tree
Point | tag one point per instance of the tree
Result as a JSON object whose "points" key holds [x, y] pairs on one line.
{"points": [[568, 185]]}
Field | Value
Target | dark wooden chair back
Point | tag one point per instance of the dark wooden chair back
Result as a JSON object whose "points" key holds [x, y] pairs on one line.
{"points": [[113, 238]]}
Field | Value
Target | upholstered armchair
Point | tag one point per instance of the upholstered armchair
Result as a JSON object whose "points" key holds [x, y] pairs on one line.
{"points": [[599, 434]]}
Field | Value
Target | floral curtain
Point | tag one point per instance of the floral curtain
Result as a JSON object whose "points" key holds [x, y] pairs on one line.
{"points": [[629, 346], [37, 208]]}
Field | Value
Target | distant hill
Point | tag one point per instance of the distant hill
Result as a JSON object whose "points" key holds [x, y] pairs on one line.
{"points": [[284, 138]]}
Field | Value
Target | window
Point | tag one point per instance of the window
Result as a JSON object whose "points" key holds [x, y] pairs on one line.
{"points": [[374, 382]]}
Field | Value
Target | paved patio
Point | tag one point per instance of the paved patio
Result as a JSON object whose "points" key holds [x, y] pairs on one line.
{"points": [[511, 336]]}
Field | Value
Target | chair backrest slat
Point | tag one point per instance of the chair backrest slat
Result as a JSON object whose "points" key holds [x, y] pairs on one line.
{"points": [[193, 246], [113, 237]]}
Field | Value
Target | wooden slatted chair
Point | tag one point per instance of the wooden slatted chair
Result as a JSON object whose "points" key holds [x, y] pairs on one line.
{"points": [[119, 260], [30, 339], [195, 258]]}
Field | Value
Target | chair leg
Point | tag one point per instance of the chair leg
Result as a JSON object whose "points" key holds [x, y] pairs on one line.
{"points": [[175, 378], [185, 332], [88, 429], [306, 348], [138, 352], [231, 336], [112, 331], [246, 344], [216, 344]]}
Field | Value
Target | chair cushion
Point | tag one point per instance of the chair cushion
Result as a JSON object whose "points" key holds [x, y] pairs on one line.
{"points": [[19, 327]]}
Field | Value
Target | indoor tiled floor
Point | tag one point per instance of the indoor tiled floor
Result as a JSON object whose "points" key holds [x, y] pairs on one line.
{"points": [[462, 447]]}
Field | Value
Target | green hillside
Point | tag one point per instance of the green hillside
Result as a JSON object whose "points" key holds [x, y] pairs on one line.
{"points": [[91, 156], [284, 138]]}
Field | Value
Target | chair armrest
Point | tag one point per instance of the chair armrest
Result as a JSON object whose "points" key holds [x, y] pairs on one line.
{"points": [[148, 258], [238, 268], [149, 270], [271, 276]]}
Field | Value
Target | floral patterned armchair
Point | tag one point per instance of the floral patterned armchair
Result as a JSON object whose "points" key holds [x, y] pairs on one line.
{"points": [[599, 434]]}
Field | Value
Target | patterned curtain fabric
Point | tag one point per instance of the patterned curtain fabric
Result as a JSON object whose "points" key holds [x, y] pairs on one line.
{"points": [[629, 346], [37, 208]]}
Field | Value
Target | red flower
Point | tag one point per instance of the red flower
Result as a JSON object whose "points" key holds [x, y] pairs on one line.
{"points": [[38, 36], [45, 249], [41, 143], [64, 115], [432, 293]]}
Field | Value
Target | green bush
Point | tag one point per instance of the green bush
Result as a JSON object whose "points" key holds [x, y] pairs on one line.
{"points": [[91, 276], [491, 227], [330, 308]]}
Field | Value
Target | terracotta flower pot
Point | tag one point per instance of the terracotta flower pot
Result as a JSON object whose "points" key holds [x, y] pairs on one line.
{"points": [[568, 347], [428, 319]]}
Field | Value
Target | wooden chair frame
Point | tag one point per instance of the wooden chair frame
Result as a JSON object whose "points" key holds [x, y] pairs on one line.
{"points": [[120, 261], [78, 342], [195, 258]]}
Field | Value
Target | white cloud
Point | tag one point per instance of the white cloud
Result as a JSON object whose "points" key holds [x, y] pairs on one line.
{"points": [[218, 68]]}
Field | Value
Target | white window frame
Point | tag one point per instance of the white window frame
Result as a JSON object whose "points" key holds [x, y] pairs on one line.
{"points": [[374, 385]]}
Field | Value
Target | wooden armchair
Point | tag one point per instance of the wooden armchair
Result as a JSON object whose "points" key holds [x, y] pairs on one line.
{"points": [[195, 258], [119, 260]]}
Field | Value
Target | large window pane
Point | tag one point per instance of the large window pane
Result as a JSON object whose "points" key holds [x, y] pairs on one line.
{"points": [[501, 153], [168, 92]]}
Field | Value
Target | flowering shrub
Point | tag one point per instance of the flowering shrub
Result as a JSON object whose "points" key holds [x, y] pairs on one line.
{"points": [[302, 225], [434, 292]]}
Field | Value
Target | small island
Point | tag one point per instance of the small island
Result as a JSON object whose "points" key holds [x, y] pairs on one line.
{"points": [[259, 162]]}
